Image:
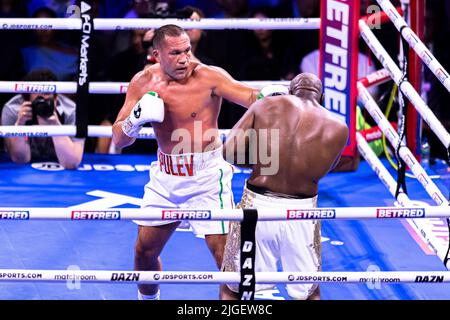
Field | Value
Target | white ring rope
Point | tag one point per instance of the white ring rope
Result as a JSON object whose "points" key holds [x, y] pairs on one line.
{"points": [[201, 277], [100, 276], [406, 87], [129, 24], [264, 214], [415, 43], [422, 227], [41, 131], [385, 126], [375, 78], [377, 166], [66, 87]]}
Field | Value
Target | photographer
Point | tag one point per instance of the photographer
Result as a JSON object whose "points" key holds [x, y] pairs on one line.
{"points": [[42, 109]]}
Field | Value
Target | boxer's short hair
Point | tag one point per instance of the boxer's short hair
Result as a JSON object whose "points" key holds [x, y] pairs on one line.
{"points": [[168, 30]]}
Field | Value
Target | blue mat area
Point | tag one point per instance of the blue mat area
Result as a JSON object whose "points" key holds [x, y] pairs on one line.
{"points": [[118, 180]]}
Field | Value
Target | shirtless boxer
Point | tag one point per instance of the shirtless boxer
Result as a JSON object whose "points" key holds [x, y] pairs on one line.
{"points": [[310, 142], [181, 99]]}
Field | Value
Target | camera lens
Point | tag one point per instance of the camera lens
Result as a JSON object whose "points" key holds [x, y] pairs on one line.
{"points": [[43, 107]]}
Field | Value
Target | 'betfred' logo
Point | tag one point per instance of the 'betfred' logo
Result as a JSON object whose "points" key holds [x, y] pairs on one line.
{"points": [[95, 215], [186, 214], [32, 88], [311, 214], [401, 213], [337, 58], [15, 215]]}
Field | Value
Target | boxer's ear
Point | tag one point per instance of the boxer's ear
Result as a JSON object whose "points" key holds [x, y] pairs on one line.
{"points": [[155, 54]]}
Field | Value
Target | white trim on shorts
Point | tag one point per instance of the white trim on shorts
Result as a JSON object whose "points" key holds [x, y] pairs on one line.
{"points": [[208, 187]]}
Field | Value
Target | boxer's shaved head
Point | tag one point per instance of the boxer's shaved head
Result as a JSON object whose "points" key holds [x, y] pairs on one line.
{"points": [[306, 85]]}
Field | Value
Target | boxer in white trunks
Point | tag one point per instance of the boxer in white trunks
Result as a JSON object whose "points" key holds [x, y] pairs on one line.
{"points": [[181, 99], [309, 143]]}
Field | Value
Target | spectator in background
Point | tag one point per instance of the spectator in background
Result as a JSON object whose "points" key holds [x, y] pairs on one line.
{"points": [[147, 45], [208, 7], [306, 8], [233, 8], [54, 109], [195, 35], [123, 67], [48, 52], [131, 60], [13, 8], [59, 7], [300, 8], [11, 66], [301, 42], [106, 10], [71, 8], [142, 9], [271, 58], [229, 49]]}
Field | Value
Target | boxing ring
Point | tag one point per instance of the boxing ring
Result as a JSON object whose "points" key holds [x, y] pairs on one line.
{"points": [[106, 186], [348, 245]]}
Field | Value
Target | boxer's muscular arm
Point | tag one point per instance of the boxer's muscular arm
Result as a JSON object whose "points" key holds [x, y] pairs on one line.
{"points": [[119, 138], [232, 90], [340, 137], [241, 138]]}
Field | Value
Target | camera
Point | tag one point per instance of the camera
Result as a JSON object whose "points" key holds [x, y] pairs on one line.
{"points": [[42, 107]]}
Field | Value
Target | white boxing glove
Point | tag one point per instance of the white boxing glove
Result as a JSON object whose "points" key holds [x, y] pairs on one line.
{"points": [[150, 108], [273, 90]]}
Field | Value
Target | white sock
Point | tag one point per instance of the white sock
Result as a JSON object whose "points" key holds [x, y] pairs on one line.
{"points": [[149, 296]]}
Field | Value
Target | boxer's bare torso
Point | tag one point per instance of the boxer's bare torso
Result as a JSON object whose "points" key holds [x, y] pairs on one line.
{"points": [[192, 95], [309, 140]]}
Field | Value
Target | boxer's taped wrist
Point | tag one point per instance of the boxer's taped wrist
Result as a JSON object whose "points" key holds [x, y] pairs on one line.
{"points": [[129, 128]]}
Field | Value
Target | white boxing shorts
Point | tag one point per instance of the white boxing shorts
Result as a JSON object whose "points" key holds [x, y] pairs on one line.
{"points": [[296, 244], [191, 180]]}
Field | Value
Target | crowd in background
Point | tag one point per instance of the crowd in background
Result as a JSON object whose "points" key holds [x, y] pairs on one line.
{"points": [[245, 54]]}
